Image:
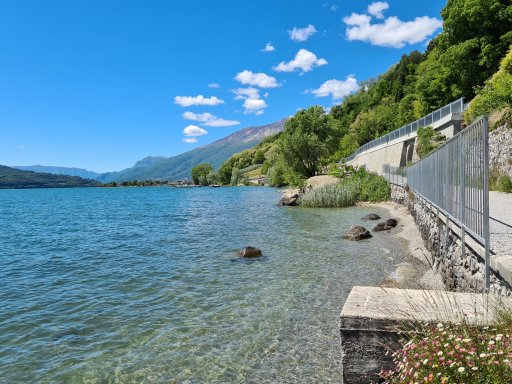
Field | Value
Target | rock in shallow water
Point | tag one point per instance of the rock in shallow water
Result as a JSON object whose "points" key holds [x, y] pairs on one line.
{"points": [[371, 216], [250, 252], [356, 233], [385, 225]]}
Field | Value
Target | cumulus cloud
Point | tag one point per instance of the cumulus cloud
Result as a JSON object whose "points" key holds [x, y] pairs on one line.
{"points": [[252, 100], [268, 48], [190, 140], [213, 85], [337, 89], [209, 120], [194, 130], [246, 93], [393, 32], [302, 34], [187, 101], [376, 9], [304, 60], [261, 79]]}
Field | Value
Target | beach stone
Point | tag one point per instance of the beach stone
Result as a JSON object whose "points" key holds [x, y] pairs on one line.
{"points": [[356, 233], [250, 252], [371, 216], [391, 222]]}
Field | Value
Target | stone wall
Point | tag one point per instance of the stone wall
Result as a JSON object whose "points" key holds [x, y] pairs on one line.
{"points": [[500, 149], [460, 272]]}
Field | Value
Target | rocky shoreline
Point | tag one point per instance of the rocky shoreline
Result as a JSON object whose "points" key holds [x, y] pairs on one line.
{"points": [[413, 268]]}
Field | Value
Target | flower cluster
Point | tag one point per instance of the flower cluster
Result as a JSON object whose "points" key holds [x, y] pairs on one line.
{"points": [[454, 354]]}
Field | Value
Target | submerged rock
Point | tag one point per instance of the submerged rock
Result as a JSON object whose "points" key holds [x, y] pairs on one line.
{"points": [[250, 252], [371, 216], [356, 233]]}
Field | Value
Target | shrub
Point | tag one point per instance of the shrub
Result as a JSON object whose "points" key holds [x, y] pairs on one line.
{"points": [[361, 186], [331, 196], [457, 353], [428, 140], [499, 181]]}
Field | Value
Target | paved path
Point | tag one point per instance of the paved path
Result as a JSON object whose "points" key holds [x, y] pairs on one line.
{"points": [[500, 208]]}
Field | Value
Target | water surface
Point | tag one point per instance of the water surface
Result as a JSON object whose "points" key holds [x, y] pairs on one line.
{"points": [[127, 285]]}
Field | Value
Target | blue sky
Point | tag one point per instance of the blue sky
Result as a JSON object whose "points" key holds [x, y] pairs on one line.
{"points": [[102, 84]]}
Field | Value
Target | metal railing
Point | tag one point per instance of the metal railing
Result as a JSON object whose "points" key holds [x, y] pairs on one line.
{"points": [[425, 121], [395, 175], [455, 180]]}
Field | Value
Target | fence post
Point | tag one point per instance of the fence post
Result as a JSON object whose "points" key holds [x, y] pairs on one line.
{"points": [[485, 138]]}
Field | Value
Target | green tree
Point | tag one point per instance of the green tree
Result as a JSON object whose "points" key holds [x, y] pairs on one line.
{"points": [[307, 138], [199, 173]]}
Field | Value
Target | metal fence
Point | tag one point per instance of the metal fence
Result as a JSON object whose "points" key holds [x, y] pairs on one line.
{"points": [[395, 175], [431, 118], [455, 179]]}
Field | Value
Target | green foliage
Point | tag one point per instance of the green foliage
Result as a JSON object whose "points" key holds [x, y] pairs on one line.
{"points": [[428, 140], [200, 173], [499, 181], [496, 95], [15, 178], [458, 353], [360, 186], [308, 137]]}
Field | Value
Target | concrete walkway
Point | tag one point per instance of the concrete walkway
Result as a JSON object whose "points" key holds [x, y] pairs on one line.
{"points": [[500, 208]]}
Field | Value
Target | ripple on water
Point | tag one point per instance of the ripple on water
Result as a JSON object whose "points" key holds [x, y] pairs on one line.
{"points": [[143, 285]]}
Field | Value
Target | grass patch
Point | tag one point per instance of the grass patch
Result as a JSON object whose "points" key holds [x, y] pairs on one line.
{"points": [[499, 182], [361, 186]]}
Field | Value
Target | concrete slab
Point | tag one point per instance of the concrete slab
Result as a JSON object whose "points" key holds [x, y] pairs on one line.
{"points": [[373, 318]]}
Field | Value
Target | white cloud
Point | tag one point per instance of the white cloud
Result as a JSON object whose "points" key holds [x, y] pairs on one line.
{"points": [[220, 122], [187, 101], [213, 85], [190, 140], [335, 7], [209, 120], [376, 9], [201, 117], [268, 48], [256, 79], [246, 93], [252, 100], [393, 32], [194, 130], [304, 60], [302, 34], [337, 89]]}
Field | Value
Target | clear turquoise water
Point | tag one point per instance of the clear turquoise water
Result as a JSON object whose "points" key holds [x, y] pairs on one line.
{"points": [[137, 285]]}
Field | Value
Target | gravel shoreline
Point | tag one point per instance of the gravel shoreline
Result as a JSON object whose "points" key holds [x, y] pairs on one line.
{"points": [[413, 268]]}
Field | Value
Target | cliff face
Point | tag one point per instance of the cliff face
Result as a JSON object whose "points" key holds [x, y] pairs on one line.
{"points": [[500, 149]]}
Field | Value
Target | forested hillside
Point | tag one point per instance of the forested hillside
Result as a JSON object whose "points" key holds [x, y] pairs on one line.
{"points": [[15, 178], [457, 63]]}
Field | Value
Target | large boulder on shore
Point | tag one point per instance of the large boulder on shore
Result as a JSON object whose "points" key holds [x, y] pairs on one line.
{"points": [[290, 197], [320, 181], [371, 216], [356, 233], [250, 252]]}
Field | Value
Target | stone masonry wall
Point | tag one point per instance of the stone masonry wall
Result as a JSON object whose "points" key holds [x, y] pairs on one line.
{"points": [[464, 273], [500, 149]]}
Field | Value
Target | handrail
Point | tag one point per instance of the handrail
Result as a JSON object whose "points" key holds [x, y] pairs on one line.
{"points": [[425, 121]]}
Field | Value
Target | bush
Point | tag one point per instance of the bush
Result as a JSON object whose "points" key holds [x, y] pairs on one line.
{"points": [[428, 140], [361, 186], [457, 353], [499, 181], [331, 196]]}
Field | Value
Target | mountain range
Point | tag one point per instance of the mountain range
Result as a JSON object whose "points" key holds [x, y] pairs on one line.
{"points": [[176, 167], [16, 178]]}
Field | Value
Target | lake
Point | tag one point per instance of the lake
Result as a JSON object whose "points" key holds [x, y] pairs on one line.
{"points": [[131, 285]]}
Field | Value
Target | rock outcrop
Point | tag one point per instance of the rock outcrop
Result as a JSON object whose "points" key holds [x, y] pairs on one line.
{"points": [[290, 197], [385, 225], [371, 216]]}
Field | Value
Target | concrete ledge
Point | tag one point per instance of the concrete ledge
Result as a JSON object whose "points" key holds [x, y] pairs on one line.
{"points": [[373, 319]]}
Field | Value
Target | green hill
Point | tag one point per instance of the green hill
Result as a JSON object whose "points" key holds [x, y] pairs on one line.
{"points": [[11, 178]]}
